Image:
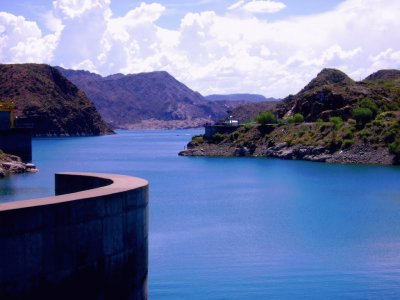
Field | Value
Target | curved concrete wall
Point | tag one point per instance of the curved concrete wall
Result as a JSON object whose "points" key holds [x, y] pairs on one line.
{"points": [[88, 242]]}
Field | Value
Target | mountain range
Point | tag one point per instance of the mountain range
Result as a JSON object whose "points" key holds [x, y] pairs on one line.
{"points": [[145, 100]]}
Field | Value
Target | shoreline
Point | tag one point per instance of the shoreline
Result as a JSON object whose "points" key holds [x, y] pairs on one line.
{"points": [[255, 142], [12, 164]]}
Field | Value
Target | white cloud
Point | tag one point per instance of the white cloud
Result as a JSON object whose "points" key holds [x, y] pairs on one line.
{"points": [[236, 5], [76, 8], [210, 52], [22, 40], [259, 6], [52, 23]]}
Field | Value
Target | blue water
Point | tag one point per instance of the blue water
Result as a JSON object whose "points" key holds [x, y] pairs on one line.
{"points": [[244, 228]]}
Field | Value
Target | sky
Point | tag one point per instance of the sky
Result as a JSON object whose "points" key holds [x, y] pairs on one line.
{"points": [[268, 47]]}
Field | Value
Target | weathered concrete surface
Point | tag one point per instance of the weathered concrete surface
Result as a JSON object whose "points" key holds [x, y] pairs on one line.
{"points": [[90, 244]]}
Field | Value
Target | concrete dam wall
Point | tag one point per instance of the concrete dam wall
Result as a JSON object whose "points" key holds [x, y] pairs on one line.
{"points": [[90, 241]]}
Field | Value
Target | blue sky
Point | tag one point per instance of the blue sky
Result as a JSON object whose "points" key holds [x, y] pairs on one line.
{"points": [[175, 10], [271, 47]]}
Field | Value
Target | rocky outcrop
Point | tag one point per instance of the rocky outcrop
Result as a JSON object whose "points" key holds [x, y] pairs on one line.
{"points": [[322, 138], [333, 94], [359, 153], [384, 75], [11, 164], [49, 101]]}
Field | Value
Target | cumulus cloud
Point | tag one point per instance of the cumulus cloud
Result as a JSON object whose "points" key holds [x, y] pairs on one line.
{"points": [[258, 6], [22, 41], [75, 8], [210, 52]]}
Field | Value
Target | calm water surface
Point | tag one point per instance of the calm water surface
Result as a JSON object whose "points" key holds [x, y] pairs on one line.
{"points": [[244, 228]]}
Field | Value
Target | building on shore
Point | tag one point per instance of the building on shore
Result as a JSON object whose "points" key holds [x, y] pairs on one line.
{"points": [[226, 126]]}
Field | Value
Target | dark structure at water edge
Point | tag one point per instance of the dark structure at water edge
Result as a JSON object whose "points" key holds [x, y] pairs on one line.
{"points": [[90, 241], [15, 135]]}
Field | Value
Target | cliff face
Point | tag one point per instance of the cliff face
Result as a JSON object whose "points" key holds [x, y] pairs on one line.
{"points": [[47, 99], [146, 100], [356, 122]]}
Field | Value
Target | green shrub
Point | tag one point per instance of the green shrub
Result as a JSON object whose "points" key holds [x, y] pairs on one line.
{"points": [[298, 118], [362, 115], [247, 126], [347, 143], [217, 137], [337, 121], [388, 115], [395, 147], [390, 135], [371, 105], [319, 121], [364, 134], [348, 134], [235, 135], [352, 122], [265, 117]]}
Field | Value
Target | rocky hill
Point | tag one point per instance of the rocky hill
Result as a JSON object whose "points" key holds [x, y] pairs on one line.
{"points": [[332, 119], [146, 100], [247, 112], [332, 93], [45, 98]]}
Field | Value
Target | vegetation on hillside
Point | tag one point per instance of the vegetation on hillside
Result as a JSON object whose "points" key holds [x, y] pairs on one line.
{"points": [[333, 113]]}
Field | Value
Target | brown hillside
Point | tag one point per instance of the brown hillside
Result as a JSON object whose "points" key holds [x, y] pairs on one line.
{"points": [[135, 100], [48, 100]]}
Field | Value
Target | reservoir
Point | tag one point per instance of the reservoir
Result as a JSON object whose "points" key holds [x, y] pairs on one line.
{"points": [[244, 228]]}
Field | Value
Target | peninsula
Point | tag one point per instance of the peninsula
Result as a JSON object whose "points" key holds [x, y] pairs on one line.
{"points": [[332, 119]]}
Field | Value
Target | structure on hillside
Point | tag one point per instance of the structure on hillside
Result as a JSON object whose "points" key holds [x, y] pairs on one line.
{"points": [[226, 126], [15, 136]]}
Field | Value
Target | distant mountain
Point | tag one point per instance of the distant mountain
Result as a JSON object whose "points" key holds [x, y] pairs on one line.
{"points": [[47, 99], [239, 97], [146, 100]]}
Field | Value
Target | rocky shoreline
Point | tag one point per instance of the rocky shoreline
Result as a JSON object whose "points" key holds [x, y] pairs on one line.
{"points": [[11, 164], [358, 154], [317, 142]]}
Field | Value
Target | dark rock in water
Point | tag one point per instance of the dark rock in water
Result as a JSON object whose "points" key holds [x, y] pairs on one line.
{"points": [[242, 151], [11, 164]]}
